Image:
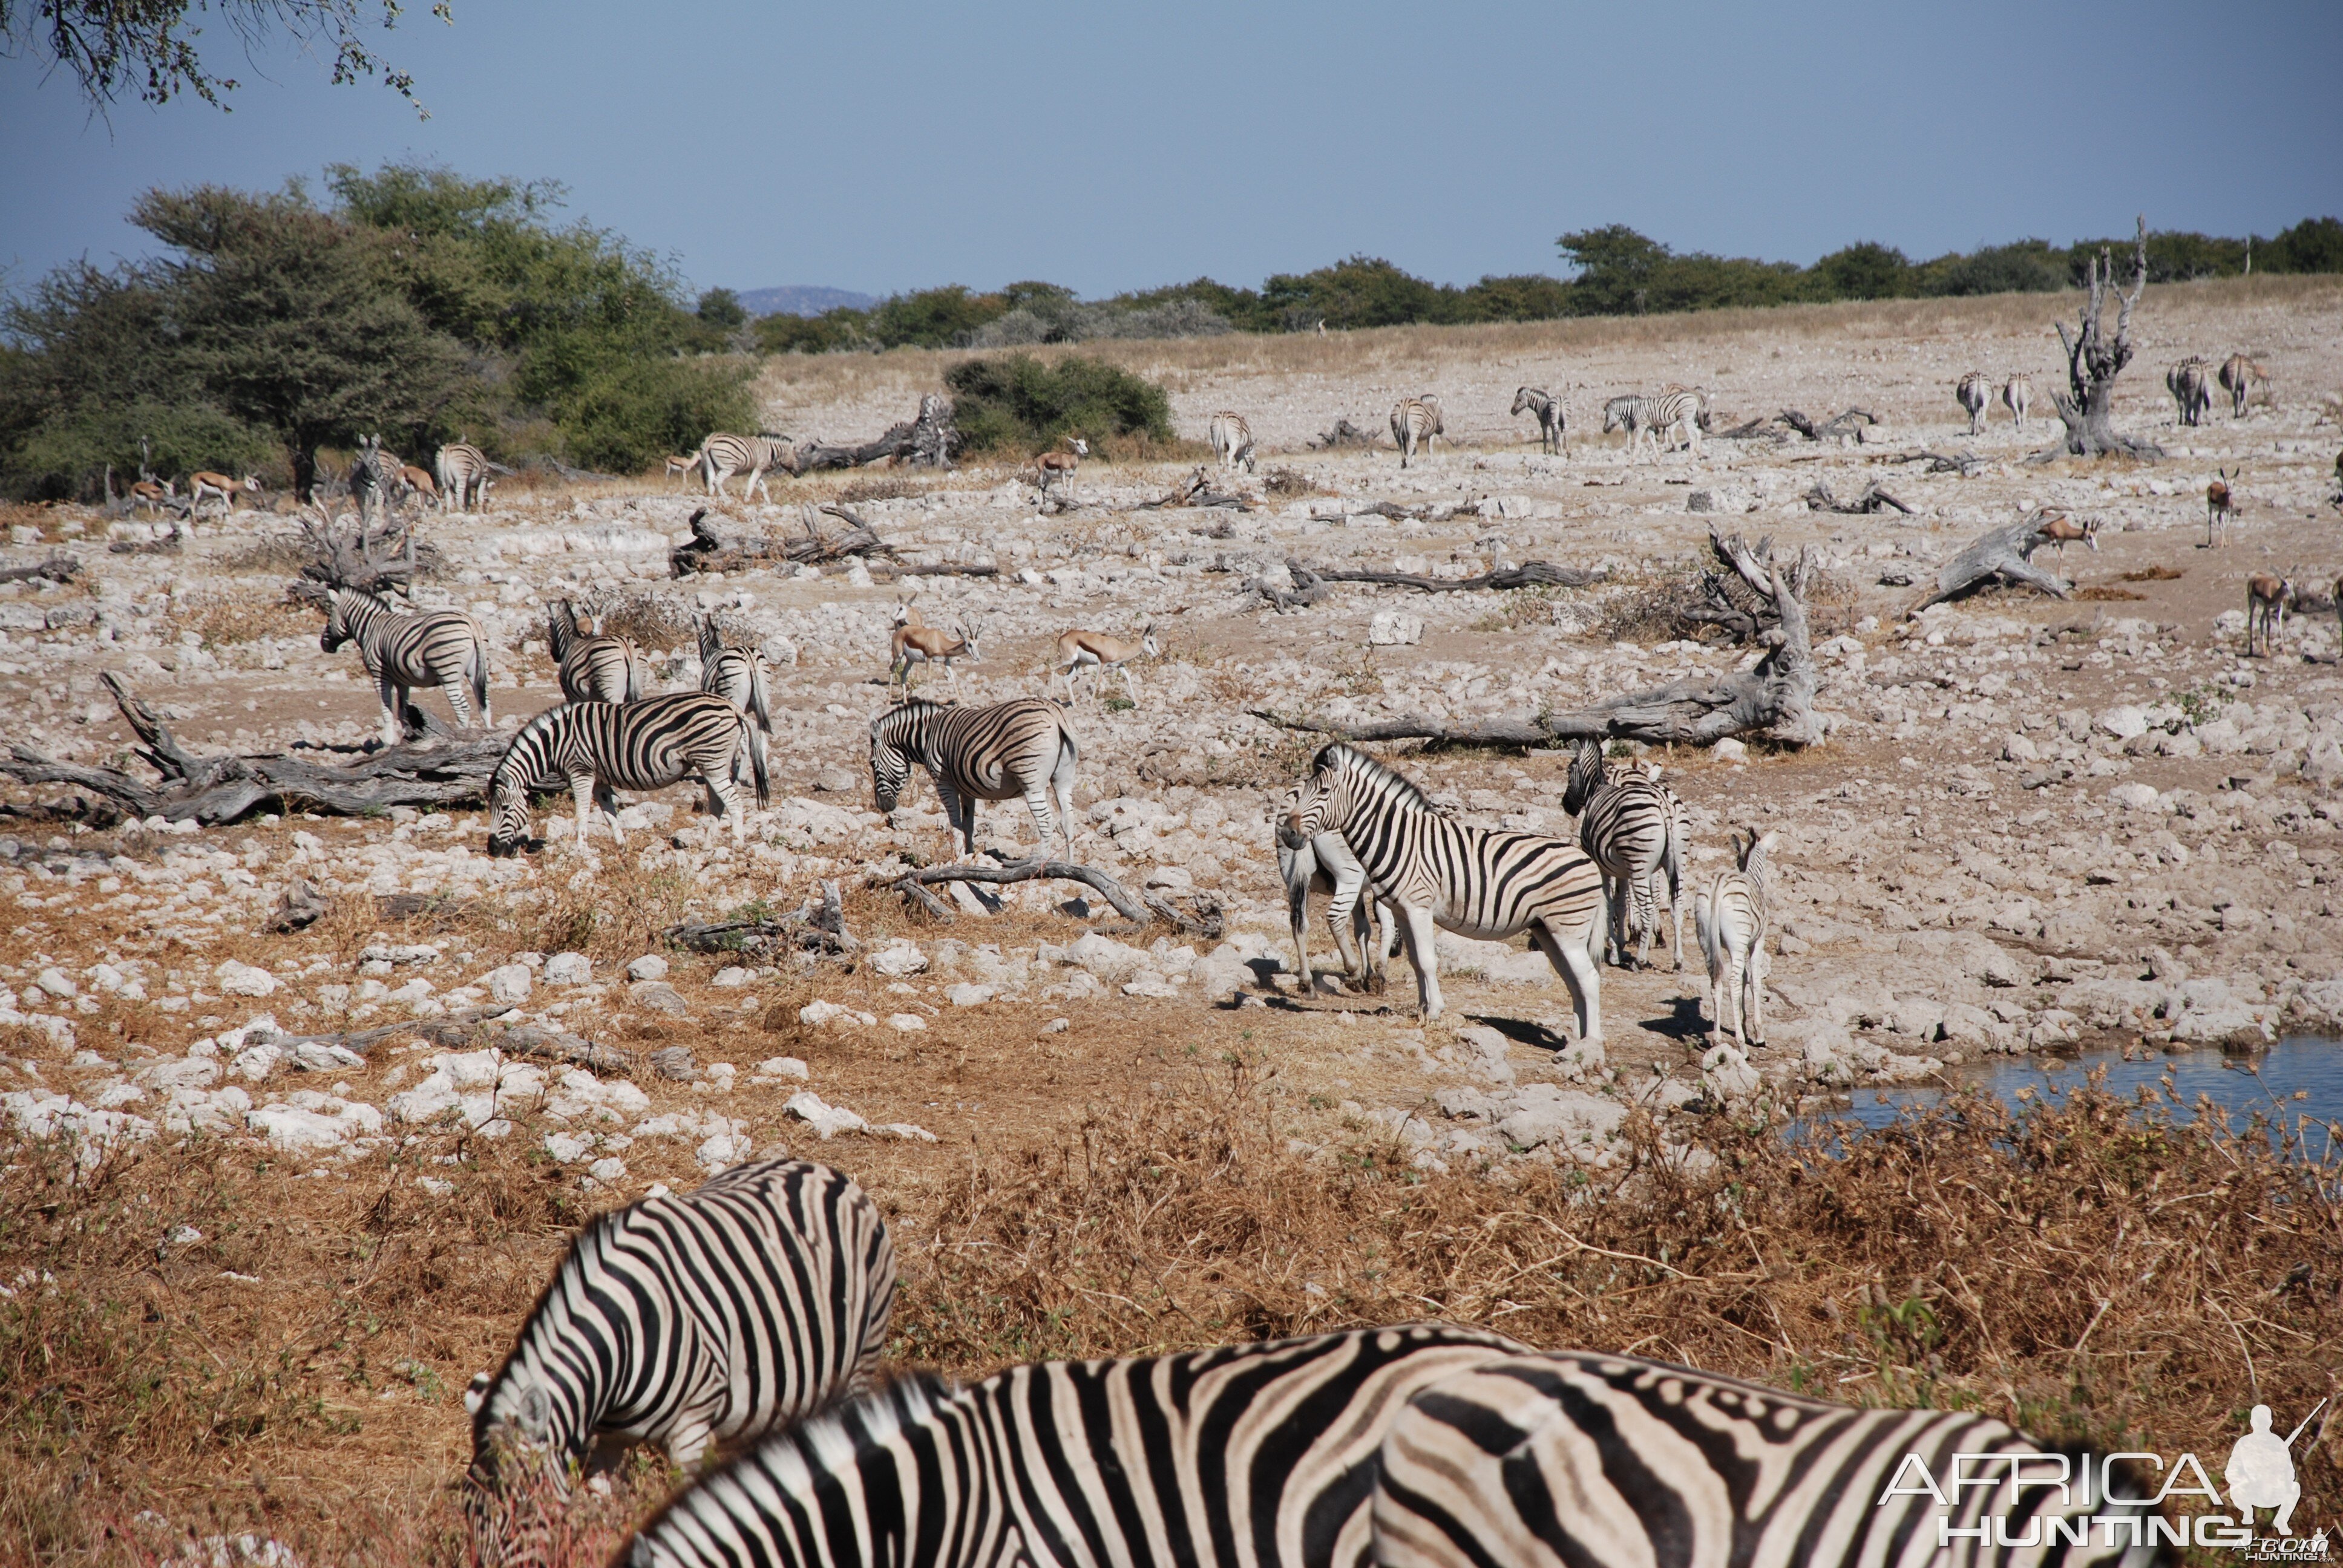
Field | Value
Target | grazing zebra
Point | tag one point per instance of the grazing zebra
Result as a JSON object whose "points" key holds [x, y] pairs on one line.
{"points": [[2017, 397], [1632, 827], [2188, 383], [1975, 392], [1473, 880], [1259, 1455], [604, 747], [1413, 420], [1326, 864], [1730, 915], [1593, 1461], [1021, 747], [463, 470], [721, 456], [2239, 379], [1675, 409], [1232, 440], [1554, 429], [404, 653], [684, 1321], [593, 668]]}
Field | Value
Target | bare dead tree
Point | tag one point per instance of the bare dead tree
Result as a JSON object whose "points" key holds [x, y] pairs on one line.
{"points": [[927, 440], [346, 552], [1875, 499], [2093, 364], [2004, 552]]}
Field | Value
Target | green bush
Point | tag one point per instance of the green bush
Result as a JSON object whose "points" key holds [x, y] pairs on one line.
{"points": [[1018, 403], [627, 416]]}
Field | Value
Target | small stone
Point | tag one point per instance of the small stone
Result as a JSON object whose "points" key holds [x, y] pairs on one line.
{"points": [[57, 984], [675, 1062], [568, 969], [835, 780], [1394, 628], [244, 980], [2124, 722], [657, 996], [2133, 796], [650, 967], [1057, 1026], [783, 1067], [899, 958], [731, 976], [968, 994], [1171, 879], [826, 1119], [908, 1022], [607, 1170], [1731, 750], [508, 983]]}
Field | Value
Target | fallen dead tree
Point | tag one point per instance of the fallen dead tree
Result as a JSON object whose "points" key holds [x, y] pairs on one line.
{"points": [[1776, 695], [1195, 493], [1965, 463], [2004, 552], [819, 928], [470, 1030], [1343, 434], [708, 551], [1875, 499], [1529, 574], [57, 569], [927, 440], [443, 767], [1847, 423], [914, 885]]}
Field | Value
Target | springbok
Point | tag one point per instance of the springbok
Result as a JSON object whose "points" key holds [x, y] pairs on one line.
{"points": [[2062, 530], [1061, 465], [907, 612], [152, 495], [2220, 504], [2268, 596], [923, 643], [420, 483], [1096, 650], [678, 466], [207, 486]]}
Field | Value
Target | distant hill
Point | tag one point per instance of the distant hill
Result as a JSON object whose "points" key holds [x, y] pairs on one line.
{"points": [[802, 299]]}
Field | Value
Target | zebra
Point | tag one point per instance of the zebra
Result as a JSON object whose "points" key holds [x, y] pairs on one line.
{"points": [[1326, 864], [604, 747], [2017, 397], [737, 675], [1633, 827], [1476, 881], [2186, 382], [1599, 1461], [2239, 377], [684, 1321], [1975, 393], [463, 473], [1259, 1454], [593, 668], [1731, 916], [1554, 429], [1232, 437], [1676, 408], [721, 456], [374, 475], [404, 653], [1413, 420], [1000, 752]]}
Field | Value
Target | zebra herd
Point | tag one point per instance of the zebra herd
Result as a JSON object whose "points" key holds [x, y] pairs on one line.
{"points": [[750, 1316], [458, 480], [2191, 380]]}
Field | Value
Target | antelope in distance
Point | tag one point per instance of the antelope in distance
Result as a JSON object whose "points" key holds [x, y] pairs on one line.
{"points": [[208, 486], [681, 468], [2220, 504], [2267, 599], [920, 644], [1054, 465], [907, 612], [2058, 528], [1096, 650], [420, 483]]}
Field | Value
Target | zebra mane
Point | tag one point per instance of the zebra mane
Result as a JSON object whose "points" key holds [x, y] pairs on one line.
{"points": [[1753, 860], [1342, 755]]}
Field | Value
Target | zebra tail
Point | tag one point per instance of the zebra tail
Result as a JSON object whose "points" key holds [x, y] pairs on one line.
{"points": [[760, 702], [757, 764], [480, 675]]}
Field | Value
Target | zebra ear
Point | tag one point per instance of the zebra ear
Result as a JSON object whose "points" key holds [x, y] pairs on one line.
{"points": [[476, 1394], [535, 1412]]}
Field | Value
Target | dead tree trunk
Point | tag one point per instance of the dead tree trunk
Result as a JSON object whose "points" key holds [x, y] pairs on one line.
{"points": [[2003, 552], [1776, 695], [2085, 407], [708, 551], [1529, 574], [927, 440]]}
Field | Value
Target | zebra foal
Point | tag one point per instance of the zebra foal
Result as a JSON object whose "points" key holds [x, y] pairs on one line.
{"points": [[1436, 872], [1007, 750], [1633, 826], [1578, 1460], [604, 747], [1554, 430], [595, 668], [686, 1322], [404, 653], [1248, 1456], [1731, 917]]}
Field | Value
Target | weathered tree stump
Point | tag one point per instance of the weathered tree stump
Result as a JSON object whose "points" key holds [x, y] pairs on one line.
{"points": [[2085, 407], [2003, 552]]}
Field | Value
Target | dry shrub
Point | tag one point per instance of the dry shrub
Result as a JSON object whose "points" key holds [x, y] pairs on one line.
{"points": [[1658, 612], [2158, 573], [2106, 593], [1288, 483], [887, 487], [238, 616], [655, 620], [2090, 1270], [618, 912]]}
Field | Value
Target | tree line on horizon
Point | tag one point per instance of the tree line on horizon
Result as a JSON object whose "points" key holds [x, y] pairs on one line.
{"points": [[1617, 271]]}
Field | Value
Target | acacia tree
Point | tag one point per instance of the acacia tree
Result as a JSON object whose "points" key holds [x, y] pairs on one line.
{"points": [[2093, 364], [283, 313], [146, 46]]}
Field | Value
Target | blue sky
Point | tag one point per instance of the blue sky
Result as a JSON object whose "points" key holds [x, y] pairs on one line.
{"points": [[1112, 148]]}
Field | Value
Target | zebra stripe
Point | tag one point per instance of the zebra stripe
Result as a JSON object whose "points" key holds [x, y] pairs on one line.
{"points": [[463, 473], [2186, 382], [1974, 394], [404, 653], [1327, 865], [737, 675], [2239, 377], [1232, 440], [593, 668], [1675, 409], [1553, 432], [604, 747], [1635, 828], [2017, 397], [1576, 1460], [684, 1321], [1415, 420], [1247, 1456], [1476, 881], [374, 475], [1731, 916], [1022, 748], [721, 456]]}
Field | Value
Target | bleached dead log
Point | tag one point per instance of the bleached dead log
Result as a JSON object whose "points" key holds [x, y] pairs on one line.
{"points": [[708, 551], [1873, 499], [1196, 493], [2004, 552], [1529, 574], [1343, 434], [927, 440], [1039, 869], [57, 569], [1849, 422], [1965, 463]]}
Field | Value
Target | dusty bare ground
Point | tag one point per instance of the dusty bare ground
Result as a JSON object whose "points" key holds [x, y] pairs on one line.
{"points": [[2034, 824]]}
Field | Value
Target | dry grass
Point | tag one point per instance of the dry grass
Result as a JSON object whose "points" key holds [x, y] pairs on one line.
{"points": [[233, 615], [657, 621], [2157, 573]]}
